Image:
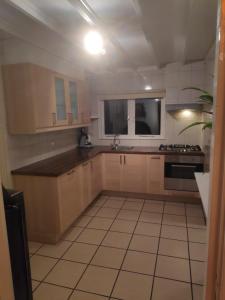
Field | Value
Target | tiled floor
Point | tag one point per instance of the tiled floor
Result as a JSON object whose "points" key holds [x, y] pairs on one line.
{"points": [[130, 249]]}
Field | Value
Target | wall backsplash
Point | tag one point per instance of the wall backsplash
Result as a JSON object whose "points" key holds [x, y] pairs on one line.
{"points": [[27, 149]]}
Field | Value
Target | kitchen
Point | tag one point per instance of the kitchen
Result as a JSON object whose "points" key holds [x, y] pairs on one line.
{"points": [[94, 143]]}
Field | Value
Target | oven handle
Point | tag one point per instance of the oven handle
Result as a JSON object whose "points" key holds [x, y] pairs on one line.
{"points": [[184, 166]]}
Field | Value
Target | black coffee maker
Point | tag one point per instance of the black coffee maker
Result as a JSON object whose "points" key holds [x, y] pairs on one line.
{"points": [[84, 139]]}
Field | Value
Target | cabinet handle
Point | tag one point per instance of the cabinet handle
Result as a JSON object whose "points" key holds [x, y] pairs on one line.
{"points": [[124, 159], [53, 118], [121, 159], [155, 157], [91, 165], [71, 172]]}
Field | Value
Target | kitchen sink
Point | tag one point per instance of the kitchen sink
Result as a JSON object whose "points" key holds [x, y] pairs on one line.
{"points": [[123, 148]]}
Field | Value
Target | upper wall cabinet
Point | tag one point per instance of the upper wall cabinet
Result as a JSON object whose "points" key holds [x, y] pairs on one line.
{"points": [[39, 100]]}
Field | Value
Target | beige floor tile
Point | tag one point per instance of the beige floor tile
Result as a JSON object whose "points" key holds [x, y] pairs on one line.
{"points": [[47, 291], [40, 266], [152, 207], [165, 289], [34, 247], [35, 284], [80, 252], [173, 268], [101, 201], [196, 222], [98, 280], [139, 262], [55, 251], [92, 211], [66, 273], [174, 220], [174, 232], [131, 286], [194, 211], [172, 203], [107, 212], [83, 221], [150, 217], [100, 223], [72, 234], [173, 248], [197, 235], [198, 251], [144, 243], [117, 239], [126, 214], [123, 226], [198, 272], [78, 295], [113, 203], [92, 236], [132, 205], [147, 201], [147, 229], [108, 257], [198, 292], [174, 209]]}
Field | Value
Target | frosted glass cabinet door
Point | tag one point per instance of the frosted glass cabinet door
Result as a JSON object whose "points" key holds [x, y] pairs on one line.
{"points": [[73, 100], [60, 100]]}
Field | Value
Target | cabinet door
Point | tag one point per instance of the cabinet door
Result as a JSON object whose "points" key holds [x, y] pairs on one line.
{"points": [[155, 174], [83, 103], [61, 115], [73, 103], [134, 173], [86, 183], [96, 176], [70, 199], [112, 164], [43, 91]]}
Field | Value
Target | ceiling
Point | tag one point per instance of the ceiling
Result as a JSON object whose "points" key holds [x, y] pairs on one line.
{"points": [[137, 33]]}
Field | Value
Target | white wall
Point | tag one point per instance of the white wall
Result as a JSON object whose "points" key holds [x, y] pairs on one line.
{"points": [[173, 78], [20, 150]]}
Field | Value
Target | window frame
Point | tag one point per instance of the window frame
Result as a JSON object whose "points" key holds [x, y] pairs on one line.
{"points": [[131, 115]]}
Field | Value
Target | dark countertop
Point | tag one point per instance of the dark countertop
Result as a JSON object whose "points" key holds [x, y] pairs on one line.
{"points": [[62, 163]]}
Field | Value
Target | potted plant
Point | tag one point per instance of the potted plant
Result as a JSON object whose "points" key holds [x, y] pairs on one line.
{"points": [[204, 98]]}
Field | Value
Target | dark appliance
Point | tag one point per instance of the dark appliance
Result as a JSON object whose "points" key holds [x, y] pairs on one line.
{"points": [[18, 244], [179, 172], [84, 139], [180, 148]]}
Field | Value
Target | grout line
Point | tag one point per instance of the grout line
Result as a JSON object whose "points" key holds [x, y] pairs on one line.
{"points": [[127, 249], [157, 253]]}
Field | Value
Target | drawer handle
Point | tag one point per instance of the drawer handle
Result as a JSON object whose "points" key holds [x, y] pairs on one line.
{"points": [[155, 157]]}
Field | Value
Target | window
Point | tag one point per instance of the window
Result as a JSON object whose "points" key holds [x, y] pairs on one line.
{"points": [[136, 116], [147, 116], [115, 112]]}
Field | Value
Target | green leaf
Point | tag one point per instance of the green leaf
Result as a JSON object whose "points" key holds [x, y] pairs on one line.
{"points": [[196, 89], [192, 125], [206, 98], [207, 125]]}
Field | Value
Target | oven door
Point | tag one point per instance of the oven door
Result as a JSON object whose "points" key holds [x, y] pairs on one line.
{"points": [[180, 176]]}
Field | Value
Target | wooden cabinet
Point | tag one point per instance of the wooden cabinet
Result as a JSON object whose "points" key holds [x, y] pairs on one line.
{"points": [[112, 164], [38, 99], [70, 197], [86, 183], [155, 174], [96, 176], [134, 173]]}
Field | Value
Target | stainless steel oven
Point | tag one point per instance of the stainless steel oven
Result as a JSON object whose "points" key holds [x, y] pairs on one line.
{"points": [[179, 172]]}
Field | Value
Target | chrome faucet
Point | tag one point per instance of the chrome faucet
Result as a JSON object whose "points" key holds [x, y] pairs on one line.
{"points": [[116, 142]]}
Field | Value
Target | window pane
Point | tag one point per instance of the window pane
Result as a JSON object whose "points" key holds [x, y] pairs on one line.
{"points": [[60, 99], [115, 117], [147, 116], [73, 98]]}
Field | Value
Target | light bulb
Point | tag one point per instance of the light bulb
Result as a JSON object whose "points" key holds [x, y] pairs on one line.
{"points": [[93, 43]]}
